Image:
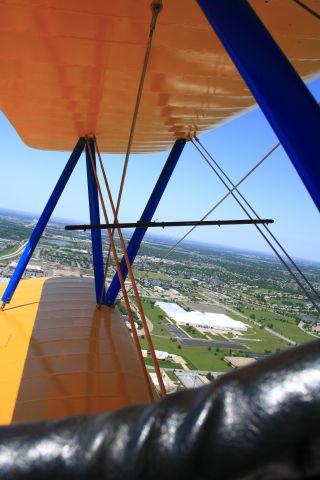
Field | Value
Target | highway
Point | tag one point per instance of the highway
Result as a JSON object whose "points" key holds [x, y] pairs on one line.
{"points": [[16, 253]]}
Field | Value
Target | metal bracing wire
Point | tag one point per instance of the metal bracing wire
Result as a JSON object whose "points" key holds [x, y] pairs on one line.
{"points": [[258, 217], [216, 205], [171, 249], [124, 292], [109, 249], [156, 8], [259, 229], [131, 275], [307, 8]]}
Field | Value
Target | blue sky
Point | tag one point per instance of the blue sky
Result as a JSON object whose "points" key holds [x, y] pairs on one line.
{"points": [[275, 190]]}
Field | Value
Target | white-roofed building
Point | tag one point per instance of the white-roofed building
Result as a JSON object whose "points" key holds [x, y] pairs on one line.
{"points": [[215, 321], [170, 307], [159, 354]]}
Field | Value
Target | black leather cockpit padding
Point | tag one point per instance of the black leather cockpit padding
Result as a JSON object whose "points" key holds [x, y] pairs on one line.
{"points": [[261, 422]]}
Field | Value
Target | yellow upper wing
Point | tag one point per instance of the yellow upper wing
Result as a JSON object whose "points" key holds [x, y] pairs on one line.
{"points": [[72, 67]]}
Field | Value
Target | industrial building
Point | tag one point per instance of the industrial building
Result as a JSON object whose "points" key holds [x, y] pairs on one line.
{"points": [[215, 321]]}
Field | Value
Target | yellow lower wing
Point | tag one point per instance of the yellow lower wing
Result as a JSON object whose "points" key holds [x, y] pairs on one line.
{"points": [[61, 356], [16, 326]]}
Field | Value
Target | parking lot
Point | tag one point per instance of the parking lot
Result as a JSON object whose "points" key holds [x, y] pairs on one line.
{"points": [[185, 340]]}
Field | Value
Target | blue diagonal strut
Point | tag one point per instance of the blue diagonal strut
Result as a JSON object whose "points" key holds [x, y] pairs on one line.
{"points": [[286, 102], [94, 219], [43, 220], [137, 237]]}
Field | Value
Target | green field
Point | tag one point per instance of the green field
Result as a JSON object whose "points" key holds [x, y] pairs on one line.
{"points": [[280, 323], [193, 332], [216, 337], [141, 273], [197, 358], [156, 316], [267, 343], [285, 302], [256, 339], [163, 363], [172, 376], [160, 276]]}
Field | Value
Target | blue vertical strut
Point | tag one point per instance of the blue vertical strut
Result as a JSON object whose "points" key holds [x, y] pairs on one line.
{"points": [[43, 220], [137, 237], [286, 102], [94, 219]]}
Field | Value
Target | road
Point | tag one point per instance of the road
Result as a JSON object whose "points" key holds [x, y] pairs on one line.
{"points": [[16, 253], [301, 326], [276, 334], [270, 330]]}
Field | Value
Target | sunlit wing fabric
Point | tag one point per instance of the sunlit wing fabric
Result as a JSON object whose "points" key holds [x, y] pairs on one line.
{"points": [[72, 67], [60, 355]]}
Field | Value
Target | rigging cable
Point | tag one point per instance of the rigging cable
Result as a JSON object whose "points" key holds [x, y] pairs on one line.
{"points": [[307, 8], [173, 247], [221, 200], [156, 8], [131, 275], [259, 229], [125, 295], [258, 217], [112, 231]]}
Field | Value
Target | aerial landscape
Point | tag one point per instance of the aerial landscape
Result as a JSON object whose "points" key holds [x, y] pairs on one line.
{"points": [[159, 240], [209, 308]]}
